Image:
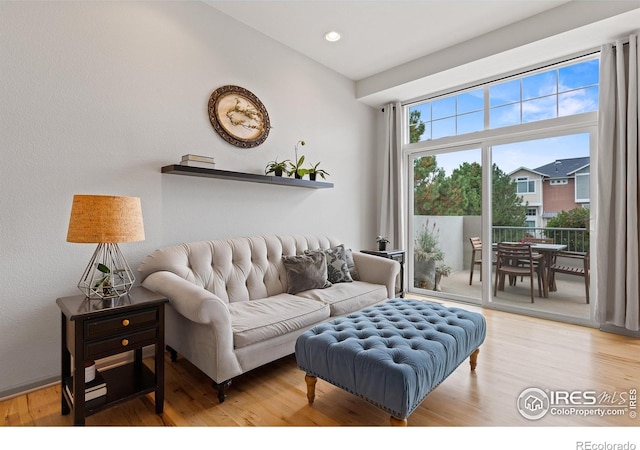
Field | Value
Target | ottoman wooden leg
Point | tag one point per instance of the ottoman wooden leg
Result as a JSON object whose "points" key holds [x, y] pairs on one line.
{"points": [[473, 359], [398, 422], [311, 387]]}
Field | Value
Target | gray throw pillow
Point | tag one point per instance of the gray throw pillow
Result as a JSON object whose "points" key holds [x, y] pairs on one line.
{"points": [[353, 270], [306, 272]]}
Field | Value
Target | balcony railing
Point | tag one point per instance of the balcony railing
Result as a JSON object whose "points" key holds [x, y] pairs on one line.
{"points": [[576, 239]]}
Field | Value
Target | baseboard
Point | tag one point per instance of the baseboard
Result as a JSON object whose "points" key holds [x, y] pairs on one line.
{"points": [[619, 330]]}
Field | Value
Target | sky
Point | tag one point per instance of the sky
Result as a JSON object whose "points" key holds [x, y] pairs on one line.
{"points": [[529, 154]]}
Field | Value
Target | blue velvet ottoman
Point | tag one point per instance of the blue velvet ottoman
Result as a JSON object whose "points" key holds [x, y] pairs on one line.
{"points": [[392, 354]]}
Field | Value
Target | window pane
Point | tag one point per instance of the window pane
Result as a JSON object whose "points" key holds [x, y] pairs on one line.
{"points": [[423, 111], [578, 75], [504, 116], [445, 107], [539, 85], [522, 187], [582, 187], [418, 115], [471, 101], [468, 123], [539, 109], [444, 127], [578, 101], [447, 199], [503, 93]]}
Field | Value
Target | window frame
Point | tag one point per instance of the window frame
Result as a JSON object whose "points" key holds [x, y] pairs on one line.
{"points": [[428, 134]]}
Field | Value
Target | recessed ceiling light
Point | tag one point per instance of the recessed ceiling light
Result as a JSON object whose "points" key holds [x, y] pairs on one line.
{"points": [[332, 36]]}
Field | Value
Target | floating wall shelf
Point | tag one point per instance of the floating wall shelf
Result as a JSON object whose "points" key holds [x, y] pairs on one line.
{"points": [[179, 169]]}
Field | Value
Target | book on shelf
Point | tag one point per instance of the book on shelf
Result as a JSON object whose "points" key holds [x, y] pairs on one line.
{"points": [[198, 164], [199, 158], [93, 389]]}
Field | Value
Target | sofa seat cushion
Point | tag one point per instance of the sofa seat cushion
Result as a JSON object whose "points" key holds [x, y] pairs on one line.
{"points": [[345, 298], [258, 320]]}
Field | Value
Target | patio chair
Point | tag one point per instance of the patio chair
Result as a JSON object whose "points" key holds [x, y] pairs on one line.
{"points": [[517, 260], [476, 249], [582, 270]]}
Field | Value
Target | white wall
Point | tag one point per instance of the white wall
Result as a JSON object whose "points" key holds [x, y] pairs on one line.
{"points": [[97, 96]]}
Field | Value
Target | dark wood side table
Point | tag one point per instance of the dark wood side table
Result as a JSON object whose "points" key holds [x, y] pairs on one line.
{"points": [[397, 255], [94, 329]]}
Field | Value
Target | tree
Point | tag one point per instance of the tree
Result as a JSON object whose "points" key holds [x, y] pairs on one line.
{"points": [[416, 127], [508, 209], [574, 218], [428, 186], [466, 190], [461, 193]]}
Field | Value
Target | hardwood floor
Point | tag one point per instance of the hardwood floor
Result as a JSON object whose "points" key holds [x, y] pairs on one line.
{"points": [[519, 353]]}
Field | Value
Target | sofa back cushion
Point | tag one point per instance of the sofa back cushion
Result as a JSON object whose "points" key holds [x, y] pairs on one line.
{"points": [[234, 269]]}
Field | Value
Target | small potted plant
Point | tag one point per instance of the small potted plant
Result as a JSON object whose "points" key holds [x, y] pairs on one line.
{"points": [[314, 171], [296, 168], [382, 243], [276, 167]]}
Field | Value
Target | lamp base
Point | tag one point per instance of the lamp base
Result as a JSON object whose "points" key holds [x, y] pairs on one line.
{"points": [[108, 275]]}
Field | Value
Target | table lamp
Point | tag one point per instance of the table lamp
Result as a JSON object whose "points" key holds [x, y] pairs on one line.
{"points": [[106, 220]]}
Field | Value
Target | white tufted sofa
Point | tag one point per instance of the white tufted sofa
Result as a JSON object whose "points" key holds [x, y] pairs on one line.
{"points": [[229, 310]]}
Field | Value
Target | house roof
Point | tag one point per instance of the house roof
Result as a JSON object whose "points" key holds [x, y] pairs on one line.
{"points": [[563, 168], [527, 170]]}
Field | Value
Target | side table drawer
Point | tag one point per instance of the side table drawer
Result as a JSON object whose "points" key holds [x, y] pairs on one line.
{"points": [[124, 342], [121, 323]]}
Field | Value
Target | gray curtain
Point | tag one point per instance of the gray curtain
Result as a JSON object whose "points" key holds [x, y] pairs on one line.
{"points": [[391, 223], [616, 222]]}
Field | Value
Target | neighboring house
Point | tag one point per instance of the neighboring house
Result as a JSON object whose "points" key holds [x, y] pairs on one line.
{"points": [[555, 187], [529, 185], [565, 186]]}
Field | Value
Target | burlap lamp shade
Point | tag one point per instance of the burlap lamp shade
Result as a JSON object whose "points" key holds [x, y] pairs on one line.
{"points": [[106, 220]]}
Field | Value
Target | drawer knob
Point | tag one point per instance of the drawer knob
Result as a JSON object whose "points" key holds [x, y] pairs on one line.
{"points": [[125, 342], [125, 322]]}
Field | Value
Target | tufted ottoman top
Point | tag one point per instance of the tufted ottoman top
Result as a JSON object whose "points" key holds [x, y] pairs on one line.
{"points": [[392, 354]]}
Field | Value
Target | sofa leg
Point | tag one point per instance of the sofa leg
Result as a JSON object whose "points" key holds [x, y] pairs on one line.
{"points": [[173, 353], [221, 387]]}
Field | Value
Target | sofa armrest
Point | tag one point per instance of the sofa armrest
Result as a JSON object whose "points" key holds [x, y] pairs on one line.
{"points": [[377, 270], [193, 302]]}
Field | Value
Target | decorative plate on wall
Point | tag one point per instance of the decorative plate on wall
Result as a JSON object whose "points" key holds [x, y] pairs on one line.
{"points": [[238, 116]]}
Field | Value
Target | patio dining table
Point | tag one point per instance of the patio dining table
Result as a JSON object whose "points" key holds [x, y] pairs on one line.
{"points": [[549, 252]]}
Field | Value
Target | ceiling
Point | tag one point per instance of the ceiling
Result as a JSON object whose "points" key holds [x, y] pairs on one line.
{"points": [[391, 48], [377, 35]]}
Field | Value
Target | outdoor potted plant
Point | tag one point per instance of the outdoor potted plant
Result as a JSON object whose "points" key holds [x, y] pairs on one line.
{"points": [[427, 254], [276, 167], [382, 243], [442, 270], [314, 171]]}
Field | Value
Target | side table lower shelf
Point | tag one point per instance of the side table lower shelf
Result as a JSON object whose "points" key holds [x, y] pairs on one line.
{"points": [[124, 382]]}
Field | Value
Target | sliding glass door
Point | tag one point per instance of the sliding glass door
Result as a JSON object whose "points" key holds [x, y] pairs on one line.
{"points": [[536, 191]]}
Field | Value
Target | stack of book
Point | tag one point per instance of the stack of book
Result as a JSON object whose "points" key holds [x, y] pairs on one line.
{"points": [[92, 390], [198, 161]]}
